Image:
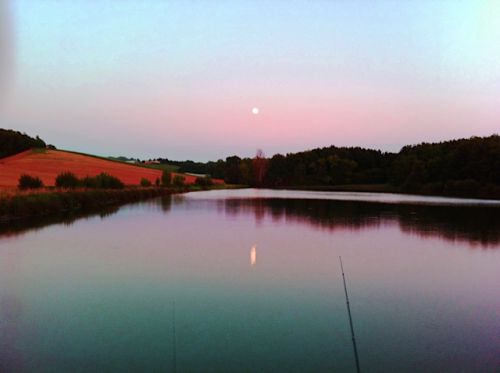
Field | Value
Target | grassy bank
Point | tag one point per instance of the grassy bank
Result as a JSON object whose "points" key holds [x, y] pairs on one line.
{"points": [[17, 206]]}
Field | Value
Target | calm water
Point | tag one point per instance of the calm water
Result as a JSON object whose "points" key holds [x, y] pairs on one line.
{"points": [[249, 280]]}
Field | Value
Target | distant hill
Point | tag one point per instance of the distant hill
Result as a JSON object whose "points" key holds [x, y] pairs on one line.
{"points": [[13, 142]]}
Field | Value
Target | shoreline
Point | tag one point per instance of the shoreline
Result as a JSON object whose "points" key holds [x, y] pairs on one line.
{"points": [[22, 205], [17, 206], [381, 188]]}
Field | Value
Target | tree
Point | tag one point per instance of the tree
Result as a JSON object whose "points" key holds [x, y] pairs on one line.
{"points": [[166, 178], [277, 172], [13, 142], [178, 180], [259, 165], [204, 181], [233, 172], [29, 182]]}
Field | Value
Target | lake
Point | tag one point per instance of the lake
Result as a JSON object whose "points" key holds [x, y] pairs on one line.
{"points": [[250, 280]]}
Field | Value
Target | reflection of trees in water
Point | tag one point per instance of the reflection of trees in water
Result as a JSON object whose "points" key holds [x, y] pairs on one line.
{"points": [[477, 225], [320, 213], [166, 203], [472, 224], [16, 227]]}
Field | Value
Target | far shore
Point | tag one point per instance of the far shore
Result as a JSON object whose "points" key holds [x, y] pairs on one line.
{"points": [[369, 188], [376, 188]]}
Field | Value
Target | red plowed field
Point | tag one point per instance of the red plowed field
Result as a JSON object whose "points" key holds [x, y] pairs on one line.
{"points": [[50, 163]]}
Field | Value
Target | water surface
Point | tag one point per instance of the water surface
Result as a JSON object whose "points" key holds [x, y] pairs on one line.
{"points": [[254, 278]]}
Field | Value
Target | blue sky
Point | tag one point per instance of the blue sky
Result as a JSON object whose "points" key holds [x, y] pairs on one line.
{"points": [[178, 79]]}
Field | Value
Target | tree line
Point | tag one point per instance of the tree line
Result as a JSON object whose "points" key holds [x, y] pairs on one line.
{"points": [[13, 142], [464, 167]]}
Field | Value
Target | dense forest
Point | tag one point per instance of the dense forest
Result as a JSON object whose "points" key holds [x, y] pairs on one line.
{"points": [[12, 142], [465, 167]]}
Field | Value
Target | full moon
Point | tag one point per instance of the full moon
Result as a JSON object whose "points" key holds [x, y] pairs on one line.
{"points": [[255, 111]]}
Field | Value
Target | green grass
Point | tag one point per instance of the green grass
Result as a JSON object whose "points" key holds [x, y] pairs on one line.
{"points": [[162, 167], [39, 150]]}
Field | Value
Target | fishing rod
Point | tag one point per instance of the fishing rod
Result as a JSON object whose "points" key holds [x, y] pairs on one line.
{"points": [[350, 318]]}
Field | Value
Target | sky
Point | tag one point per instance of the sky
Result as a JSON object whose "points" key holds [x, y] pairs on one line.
{"points": [[179, 79]]}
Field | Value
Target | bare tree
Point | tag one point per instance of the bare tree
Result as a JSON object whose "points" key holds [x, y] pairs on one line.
{"points": [[259, 164]]}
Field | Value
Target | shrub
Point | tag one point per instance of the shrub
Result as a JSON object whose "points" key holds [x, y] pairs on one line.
{"points": [[145, 182], [205, 181], [179, 180], [107, 181], [67, 180], [166, 178], [29, 182], [89, 182], [102, 181]]}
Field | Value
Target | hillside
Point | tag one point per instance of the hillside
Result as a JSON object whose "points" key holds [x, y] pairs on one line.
{"points": [[47, 164]]}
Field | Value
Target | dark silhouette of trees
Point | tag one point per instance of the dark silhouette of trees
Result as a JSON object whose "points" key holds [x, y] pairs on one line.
{"points": [[13, 142], [204, 181], [166, 178], [259, 165], [465, 167], [178, 181], [233, 173]]}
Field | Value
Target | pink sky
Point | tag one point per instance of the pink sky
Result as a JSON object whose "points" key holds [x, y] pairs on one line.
{"points": [[150, 79]]}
